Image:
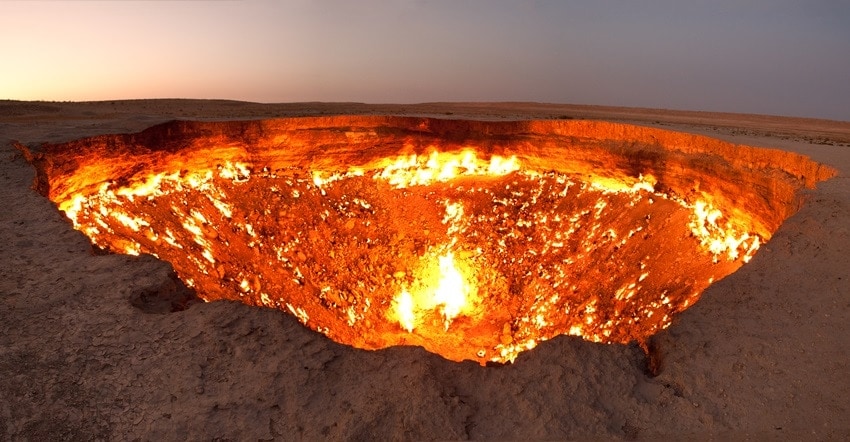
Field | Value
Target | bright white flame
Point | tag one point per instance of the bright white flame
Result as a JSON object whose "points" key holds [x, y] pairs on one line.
{"points": [[452, 290], [404, 310], [442, 288], [721, 239], [416, 170]]}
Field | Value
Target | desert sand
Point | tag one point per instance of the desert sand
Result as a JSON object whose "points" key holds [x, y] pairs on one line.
{"points": [[763, 354]]}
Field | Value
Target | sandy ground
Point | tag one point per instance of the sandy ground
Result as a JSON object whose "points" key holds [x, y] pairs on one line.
{"points": [[763, 355]]}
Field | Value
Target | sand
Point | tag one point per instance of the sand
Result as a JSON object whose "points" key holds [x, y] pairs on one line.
{"points": [[763, 355]]}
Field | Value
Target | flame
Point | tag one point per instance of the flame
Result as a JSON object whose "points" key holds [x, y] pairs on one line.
{"points": [[404, 310], [521, 222], [416, 170], [721, 238], [452, 289], [629, 185], [442, 288], [421, 170]]}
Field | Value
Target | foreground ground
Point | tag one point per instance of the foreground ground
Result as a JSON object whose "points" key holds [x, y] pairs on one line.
{"points": [[764, 354]]}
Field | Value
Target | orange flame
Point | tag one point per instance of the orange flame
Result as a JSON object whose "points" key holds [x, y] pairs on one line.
{"points": [[421, 170], [446, 284]]}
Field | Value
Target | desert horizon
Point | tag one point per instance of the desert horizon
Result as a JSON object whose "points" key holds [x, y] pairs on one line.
{"points": [[517, 104]]}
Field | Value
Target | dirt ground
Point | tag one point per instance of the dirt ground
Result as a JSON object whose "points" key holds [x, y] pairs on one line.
{"points": [[763, 355]]}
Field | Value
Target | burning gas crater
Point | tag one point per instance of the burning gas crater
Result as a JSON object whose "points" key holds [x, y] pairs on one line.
{"points": [[465, 252], [472, 258]]}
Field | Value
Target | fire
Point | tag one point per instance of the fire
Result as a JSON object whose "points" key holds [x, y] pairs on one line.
{"points": [[723, 238], [403, 311], [416, 170], [472, 256], [441, 288], [452, 290], [422, 170]]}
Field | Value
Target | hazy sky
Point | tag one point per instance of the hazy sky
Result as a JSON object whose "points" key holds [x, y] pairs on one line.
{"points": [[756, 56]]}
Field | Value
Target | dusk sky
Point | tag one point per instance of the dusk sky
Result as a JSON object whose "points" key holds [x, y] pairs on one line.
{"points": [[758, 56]]}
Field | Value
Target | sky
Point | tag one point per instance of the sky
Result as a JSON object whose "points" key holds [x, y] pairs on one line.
{"points": [[777, 57]]}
